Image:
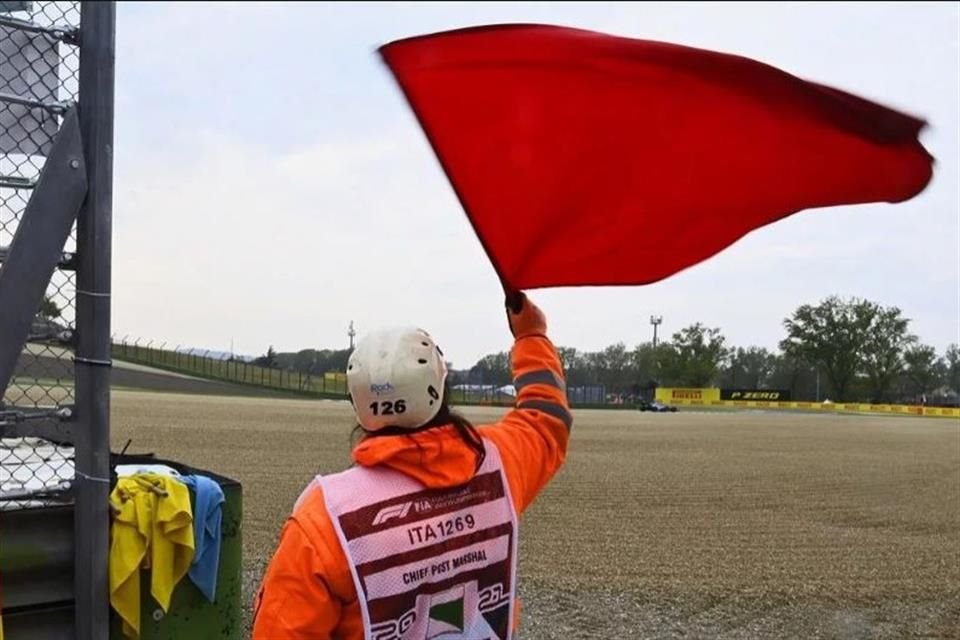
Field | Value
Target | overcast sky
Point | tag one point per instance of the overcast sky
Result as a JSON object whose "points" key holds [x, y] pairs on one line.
{"points": [[272, 185]]}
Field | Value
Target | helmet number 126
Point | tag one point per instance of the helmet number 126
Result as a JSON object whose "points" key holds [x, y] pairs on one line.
{"points": [[387, 408]]}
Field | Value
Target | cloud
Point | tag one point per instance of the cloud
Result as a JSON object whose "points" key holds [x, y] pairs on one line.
{"points": [[288, 248], [271, 184]]}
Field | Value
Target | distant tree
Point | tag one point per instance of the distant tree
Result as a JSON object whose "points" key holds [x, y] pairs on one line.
{"points": [[574, 366], [269, 359], [797, 375], [49, 309], [749, 368], [829, 336], [593, 366], [923, 369], [695, 356], [334, 360], [952, 361], [304, 360], [493, 369], [315, 361], [884, 342], [645, 363], [847, 338], [614, 367]]}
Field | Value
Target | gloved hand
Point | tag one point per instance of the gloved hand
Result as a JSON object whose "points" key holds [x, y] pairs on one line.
{"points": [[524, 317]]}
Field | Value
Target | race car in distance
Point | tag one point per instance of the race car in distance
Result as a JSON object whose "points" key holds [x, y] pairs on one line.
{"points": [[655, 406]]}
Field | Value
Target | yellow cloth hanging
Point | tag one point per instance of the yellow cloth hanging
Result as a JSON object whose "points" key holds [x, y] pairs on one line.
{"points": [[149, 530]]}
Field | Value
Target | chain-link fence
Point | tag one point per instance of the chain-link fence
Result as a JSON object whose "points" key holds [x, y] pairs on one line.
{"points": [[39, 80], [56, 136], [311, 381], [201, 364]]}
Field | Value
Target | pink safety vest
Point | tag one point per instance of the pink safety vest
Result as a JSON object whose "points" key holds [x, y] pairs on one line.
{"points": [[428, 563]]}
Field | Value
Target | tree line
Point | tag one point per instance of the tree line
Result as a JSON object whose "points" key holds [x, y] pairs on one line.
{"points": [[842, 349], [311, 361]]}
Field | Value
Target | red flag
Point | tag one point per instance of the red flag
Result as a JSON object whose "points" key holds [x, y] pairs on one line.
{"points": [[586, 159]]}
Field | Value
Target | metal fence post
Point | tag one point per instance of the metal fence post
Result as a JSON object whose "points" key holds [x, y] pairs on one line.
{"points": [[91, 515]]}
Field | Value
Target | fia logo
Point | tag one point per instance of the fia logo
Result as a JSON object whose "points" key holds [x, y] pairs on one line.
{"points": [[421, 506]]}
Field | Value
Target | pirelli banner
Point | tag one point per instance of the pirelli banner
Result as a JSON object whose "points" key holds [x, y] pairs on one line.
{"points": [[763, 399], [765, 395], [677, 395]]}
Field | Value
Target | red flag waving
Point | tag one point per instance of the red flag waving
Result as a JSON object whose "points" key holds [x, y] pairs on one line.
{"points": [[586, 159]]}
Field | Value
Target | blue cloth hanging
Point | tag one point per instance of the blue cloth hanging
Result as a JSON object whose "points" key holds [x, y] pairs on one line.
{"points": [[207, 520]]}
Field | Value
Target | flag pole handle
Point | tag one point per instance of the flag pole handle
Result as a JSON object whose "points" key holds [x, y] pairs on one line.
{"points": [[513, 298]]}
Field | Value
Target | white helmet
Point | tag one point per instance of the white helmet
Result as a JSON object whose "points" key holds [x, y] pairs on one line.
{"points": [[396, 378]]}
